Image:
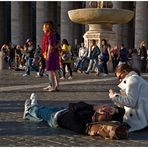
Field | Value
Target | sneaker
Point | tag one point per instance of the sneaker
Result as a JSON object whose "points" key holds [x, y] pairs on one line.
{"points": [[52, 90], [24, 75], [62, 78], [38, 75], [33, 99], [86, 72], [26, 107], [104, 75], [97, 74], [46, 88], [79, 71], [69, 78]]}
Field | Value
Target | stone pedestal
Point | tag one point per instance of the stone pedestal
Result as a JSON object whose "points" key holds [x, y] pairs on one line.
{"points": [[99, 32]]}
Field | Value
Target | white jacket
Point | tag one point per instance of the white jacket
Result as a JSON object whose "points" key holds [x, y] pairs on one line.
{"points": [[135, 102]]}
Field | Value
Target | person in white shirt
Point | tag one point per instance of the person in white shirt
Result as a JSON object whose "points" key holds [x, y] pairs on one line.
{"points": [[83, 51]]}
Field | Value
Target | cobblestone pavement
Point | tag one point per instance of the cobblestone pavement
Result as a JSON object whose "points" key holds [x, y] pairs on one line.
{"points": [[14, 131]]}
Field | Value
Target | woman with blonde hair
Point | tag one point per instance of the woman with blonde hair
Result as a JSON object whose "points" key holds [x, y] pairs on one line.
{"points": [[44, 49], [52, 59]]}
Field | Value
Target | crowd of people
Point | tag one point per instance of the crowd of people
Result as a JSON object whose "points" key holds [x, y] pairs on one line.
{"points": [[54, 58], [97, 58]]}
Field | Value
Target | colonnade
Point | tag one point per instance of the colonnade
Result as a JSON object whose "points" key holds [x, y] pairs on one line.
{"points": [[26, 19]]}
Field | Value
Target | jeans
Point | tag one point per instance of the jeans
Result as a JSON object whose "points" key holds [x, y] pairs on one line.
{"points": [[30, 66], [91, 62], [10, 61], [105, 69], [81, 63], [44, 113]]}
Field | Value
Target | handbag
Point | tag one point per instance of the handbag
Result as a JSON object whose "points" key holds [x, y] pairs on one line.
{"points": [[66, 56], [108, 130]]}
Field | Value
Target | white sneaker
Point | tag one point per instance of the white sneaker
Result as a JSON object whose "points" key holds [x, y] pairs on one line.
{"points": [[26, 107], [24, 75], [62, 78], [37, 75], [46, 88], [33, 99], [104, 75], [70, 78]]}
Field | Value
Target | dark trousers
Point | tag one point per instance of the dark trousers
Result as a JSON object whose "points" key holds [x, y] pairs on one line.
{"points": [[143, 65], [105, 69], [69, 68], [114, 62], [77, 117], [43, 65]]}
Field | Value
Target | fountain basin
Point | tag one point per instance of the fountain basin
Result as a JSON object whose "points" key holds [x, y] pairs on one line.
{"points": [[100, 16]]}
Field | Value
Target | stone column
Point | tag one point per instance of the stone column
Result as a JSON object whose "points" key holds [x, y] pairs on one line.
{"points": [[87, 6], [45, 11], [66, 23], [141, 23], [77, 28], [21, 22], [26, 21], [16, 22], [3, 64], [2, 23], [123, 32]]}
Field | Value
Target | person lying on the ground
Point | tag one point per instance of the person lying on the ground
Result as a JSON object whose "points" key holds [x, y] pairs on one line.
{"points": [[75, 117], [134, 99]]}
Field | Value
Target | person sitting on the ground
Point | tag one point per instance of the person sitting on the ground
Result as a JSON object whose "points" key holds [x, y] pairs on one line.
{"points": [[134, 99], [75, 117]]}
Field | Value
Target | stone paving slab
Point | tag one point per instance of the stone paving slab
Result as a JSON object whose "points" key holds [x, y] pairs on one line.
{"points": [[14, 131]]}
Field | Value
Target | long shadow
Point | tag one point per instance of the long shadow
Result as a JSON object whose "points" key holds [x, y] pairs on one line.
{"points": [[13, 128], [18, 127]]}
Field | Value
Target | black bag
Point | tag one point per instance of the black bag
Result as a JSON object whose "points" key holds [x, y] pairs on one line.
{"points": [[108, 130]]}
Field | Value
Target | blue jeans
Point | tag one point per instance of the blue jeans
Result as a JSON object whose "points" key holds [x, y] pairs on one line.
{"points": [[91, 62], [43, 113], [81, 63], [30, 66]]}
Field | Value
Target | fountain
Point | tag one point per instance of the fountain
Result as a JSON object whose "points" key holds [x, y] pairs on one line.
{"points": [[100, 17]]}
